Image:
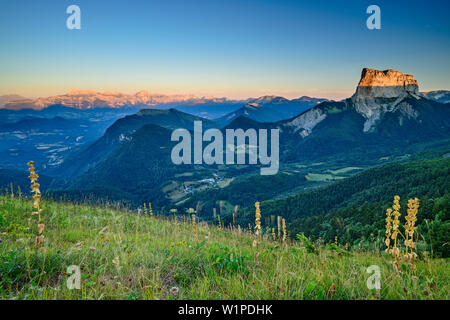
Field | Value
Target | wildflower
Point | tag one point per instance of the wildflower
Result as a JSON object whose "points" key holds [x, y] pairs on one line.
{"points": [[36, 202], [257, 219], [279, 226], [145, 209], [411, 218], [388, 228], [194, 227], [395, 224], [150, 210], [283, 227], [274, 236]]}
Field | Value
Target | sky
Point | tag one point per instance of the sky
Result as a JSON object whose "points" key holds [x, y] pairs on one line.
{"points": [[236, 49]]}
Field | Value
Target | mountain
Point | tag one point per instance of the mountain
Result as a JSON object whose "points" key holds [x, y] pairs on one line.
{"points": [[442, 96], [385, 114], [48, 135], [19, 179], [170, 119], [144, 157], [10, 97], [88, 99], [95, 115], [121, 132], [207, 108], [38, 124], [45, 140], [271, 109]]}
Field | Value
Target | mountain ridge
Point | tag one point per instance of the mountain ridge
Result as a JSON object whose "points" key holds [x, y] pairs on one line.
{"points": [[272, 109]]}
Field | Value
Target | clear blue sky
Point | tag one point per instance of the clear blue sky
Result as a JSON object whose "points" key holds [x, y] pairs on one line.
{"points": [[224, 48]]}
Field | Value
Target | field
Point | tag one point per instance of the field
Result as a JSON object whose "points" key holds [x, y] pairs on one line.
{"points": [[123, 255], [320, 177]]}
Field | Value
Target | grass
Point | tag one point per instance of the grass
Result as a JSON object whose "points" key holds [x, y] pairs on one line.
{"points": [[344, 170], [123, 255], [322, 177]]}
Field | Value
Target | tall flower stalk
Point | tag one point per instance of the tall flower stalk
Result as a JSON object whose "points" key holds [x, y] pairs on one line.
{"points": [[388, 229], [411, 218], [395, 252], [194, 227], [150, 210], [36, 202], [257, 224]]}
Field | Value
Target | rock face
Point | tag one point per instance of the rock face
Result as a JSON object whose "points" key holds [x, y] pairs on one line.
{"points": [[385, 84], [379, 92], [305, 123]]}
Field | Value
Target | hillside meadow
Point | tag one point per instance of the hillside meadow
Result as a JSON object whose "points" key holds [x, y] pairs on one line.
{"points": [[124, 255]]}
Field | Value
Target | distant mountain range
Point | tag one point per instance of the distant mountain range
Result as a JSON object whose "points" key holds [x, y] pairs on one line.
{"points": [[48, 135], [442, 96], [271, 109], [88, 99], [10, 97]]}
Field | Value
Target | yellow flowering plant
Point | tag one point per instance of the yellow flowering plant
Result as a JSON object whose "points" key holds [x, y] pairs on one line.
{"points": [[36, 194]]}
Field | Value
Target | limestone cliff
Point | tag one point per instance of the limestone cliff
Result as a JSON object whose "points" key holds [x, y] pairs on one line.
{"points": [[379, 92]]}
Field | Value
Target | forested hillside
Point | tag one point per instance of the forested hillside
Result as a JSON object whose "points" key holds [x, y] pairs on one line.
{"points": [[333, 210]]}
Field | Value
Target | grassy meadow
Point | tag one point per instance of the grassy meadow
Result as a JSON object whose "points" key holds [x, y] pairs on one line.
{"points": [[123, 255]]}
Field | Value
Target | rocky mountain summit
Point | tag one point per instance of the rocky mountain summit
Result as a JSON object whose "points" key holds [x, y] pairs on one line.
{"points": [[385, 84], [379, 92]]}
